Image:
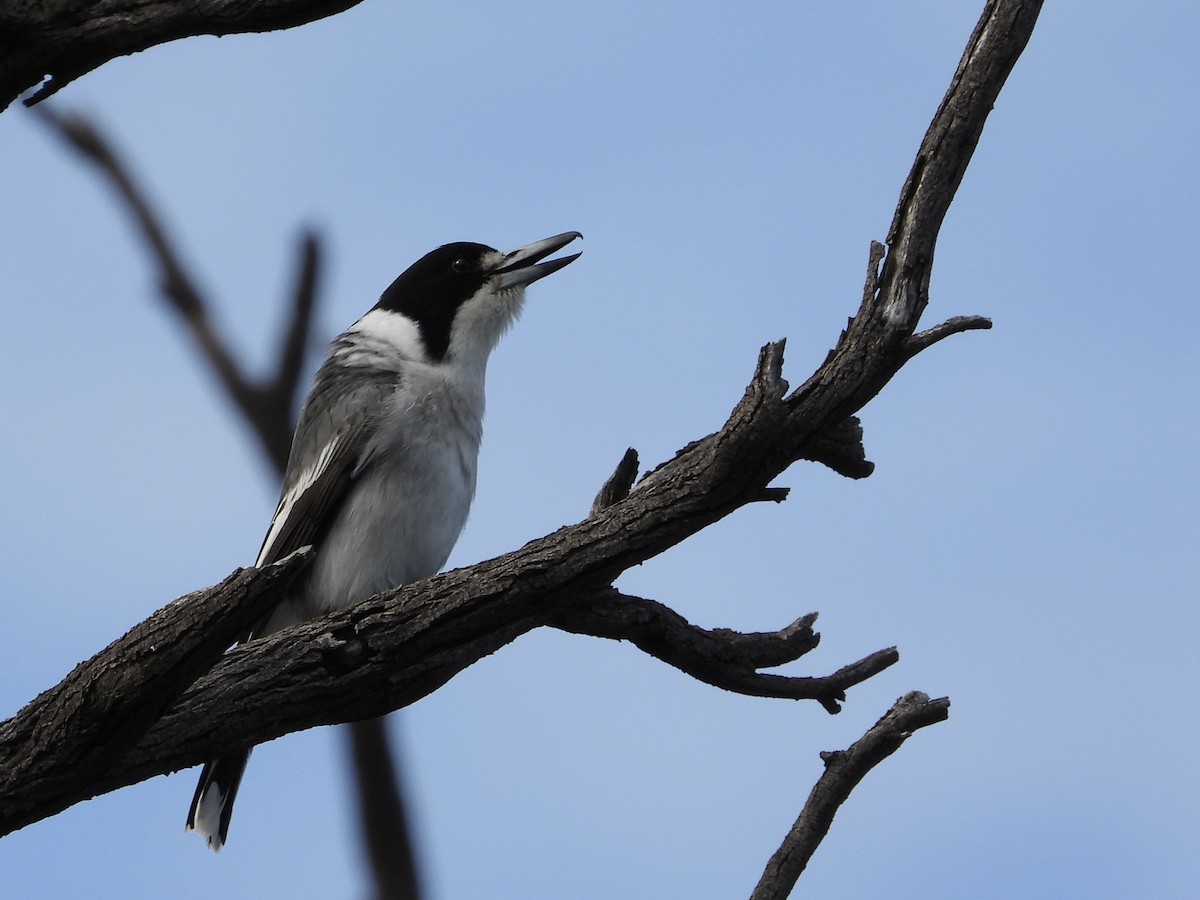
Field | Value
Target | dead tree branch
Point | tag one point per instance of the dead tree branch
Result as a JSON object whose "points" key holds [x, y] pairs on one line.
{"points": [[51, 44], [844, 769], [394, 649], [723, 658], [82, 726]]}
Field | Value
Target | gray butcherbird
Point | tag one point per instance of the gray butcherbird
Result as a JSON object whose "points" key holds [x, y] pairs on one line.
{"points": [[383, 461]]}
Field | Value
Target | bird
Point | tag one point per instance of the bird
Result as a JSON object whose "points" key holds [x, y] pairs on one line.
{"points": [[381, 472]]}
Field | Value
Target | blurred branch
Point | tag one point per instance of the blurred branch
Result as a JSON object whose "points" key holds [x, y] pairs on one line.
{"points": [[48, 45], [382, 812], [267, 405], [844, 769]]}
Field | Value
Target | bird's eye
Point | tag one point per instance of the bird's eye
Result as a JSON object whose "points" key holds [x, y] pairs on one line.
{"points": [[462, 265]]}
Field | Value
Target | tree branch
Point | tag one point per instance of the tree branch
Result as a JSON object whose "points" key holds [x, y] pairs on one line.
{"points": [[383, 817], [396, 648], [393, 649], [957, 325], [266, 406], [52, 43], [877, 340], [844, 769], [723, 658], [72, 733]]}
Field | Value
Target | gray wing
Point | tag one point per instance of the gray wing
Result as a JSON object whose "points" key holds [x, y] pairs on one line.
{"points": [[327, 454]]}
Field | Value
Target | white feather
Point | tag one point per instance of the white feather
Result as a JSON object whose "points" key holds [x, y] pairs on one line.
{"points": [[384, 336], [287, 502], [207, 822]]}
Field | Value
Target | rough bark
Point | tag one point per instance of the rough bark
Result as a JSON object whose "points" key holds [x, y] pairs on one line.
{"points": [[81, 727], [394, 649], [47, 44]]}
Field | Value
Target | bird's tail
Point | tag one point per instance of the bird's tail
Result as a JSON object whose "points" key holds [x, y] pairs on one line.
{"points": [[212, 804]]}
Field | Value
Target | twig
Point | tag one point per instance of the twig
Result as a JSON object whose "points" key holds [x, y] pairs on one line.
{"points": [[842, 450], [844, 769], [619, 482], [726, 659], [956, 325]]}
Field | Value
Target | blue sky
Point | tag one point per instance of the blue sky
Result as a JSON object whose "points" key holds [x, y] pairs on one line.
{"points": [[1027, 539]]}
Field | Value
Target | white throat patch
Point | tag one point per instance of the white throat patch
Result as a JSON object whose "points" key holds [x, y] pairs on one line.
{"points": [[390, 334]]}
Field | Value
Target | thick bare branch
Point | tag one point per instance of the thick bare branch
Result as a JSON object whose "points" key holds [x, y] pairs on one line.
{"points": [[52, 44], [844, 769], [57, 745], [393, 650], [876, 343]]}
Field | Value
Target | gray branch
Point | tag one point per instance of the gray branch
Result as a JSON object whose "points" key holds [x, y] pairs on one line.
{"points": [[394, 649], [897, 294], [844, 769]]}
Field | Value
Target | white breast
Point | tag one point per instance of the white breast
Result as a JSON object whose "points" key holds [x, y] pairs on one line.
{"points": [[406, 509]]}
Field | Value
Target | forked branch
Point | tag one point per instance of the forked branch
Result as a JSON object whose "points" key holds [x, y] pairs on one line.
{"points": [[265, 405]]}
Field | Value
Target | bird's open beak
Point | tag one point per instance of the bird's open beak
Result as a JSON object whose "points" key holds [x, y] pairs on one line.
{"points": [[523, 266]]}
